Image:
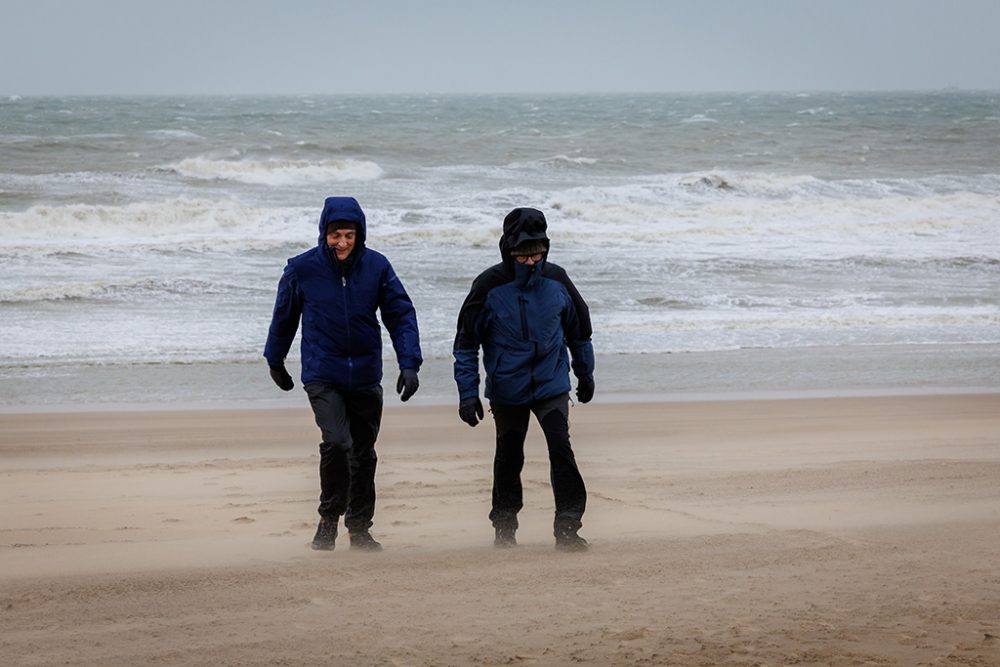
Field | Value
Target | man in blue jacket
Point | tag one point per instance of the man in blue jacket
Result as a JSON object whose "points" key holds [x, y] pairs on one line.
{"points": [[335, 289], [529, 318]]}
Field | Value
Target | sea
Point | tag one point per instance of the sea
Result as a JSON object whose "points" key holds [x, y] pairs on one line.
{"points": [[727, 244]]}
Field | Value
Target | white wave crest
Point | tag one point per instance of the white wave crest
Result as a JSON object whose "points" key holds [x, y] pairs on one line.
{"points": [[176, 134], [735, 214], [172, 222], [54, 292], [699, 118], [277, 172], [161, 289], [565, 159]]}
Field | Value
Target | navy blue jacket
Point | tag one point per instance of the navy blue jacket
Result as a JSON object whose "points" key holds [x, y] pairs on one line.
{"points": [[527, 320], [336, 301]]}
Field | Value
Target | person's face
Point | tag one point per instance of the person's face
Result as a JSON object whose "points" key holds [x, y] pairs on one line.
{"points": [[341, 240], [530, 260]]}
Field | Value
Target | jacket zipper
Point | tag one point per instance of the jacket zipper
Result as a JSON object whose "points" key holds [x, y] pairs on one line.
{"points": [[347, 321], [521, 302]]}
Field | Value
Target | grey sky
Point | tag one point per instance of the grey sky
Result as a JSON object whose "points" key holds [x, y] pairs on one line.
{"points": [[365, 46]]}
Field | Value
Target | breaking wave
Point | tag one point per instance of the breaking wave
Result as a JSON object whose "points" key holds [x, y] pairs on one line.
{"points": [[277, 172], [124, 290], [45, 229]]}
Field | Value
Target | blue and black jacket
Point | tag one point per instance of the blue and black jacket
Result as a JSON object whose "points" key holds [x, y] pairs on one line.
{"points": [[528, 321], [336, 301]]}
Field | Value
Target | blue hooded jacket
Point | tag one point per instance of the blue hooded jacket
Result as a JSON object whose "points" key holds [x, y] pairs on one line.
{"points": [[336, 301], [527, 320]]}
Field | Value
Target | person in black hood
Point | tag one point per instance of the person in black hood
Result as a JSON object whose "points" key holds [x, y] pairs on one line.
{"points": [[529, 319]]}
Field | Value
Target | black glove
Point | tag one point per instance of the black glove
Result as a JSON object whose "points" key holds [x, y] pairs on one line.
{"points": [[407, 384], [469, 409], [585, 390], [282, 378]]}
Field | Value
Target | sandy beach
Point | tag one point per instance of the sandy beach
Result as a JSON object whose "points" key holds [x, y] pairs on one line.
{"points": [[828, 531]]}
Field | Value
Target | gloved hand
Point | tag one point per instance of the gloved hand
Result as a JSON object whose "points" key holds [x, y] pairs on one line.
{"points": [[407, 384], [470, 410], [585, 390], [281, 377]]}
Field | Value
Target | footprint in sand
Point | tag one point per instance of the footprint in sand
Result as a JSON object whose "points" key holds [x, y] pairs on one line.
{"points": [[243, 519]]}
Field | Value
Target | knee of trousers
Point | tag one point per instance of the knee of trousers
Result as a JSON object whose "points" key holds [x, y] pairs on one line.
{"points": [[511, 441], [335, 447], [366, 457], [515, 458], [554, 421], [557, 436]]}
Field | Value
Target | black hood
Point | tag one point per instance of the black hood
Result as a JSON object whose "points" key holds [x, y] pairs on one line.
{"points": [[520, 225]]}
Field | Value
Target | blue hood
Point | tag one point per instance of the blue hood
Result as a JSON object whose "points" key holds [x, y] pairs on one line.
{"points": [[342, 208]]}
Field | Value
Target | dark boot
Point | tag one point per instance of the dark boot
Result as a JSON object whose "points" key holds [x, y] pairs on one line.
{"points": [[363, 541], [568, 540], [505, 538], [326, 534]]}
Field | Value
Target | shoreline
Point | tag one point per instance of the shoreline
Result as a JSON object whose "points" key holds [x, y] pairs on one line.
{"points": [[392, 403], [721, 375]]}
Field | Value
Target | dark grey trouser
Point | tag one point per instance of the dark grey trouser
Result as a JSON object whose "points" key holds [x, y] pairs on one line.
{"points": [[567, 483], [349, 422]]}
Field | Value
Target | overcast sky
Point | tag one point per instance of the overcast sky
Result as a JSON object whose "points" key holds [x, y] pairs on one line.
{"points": [[442, 46]]}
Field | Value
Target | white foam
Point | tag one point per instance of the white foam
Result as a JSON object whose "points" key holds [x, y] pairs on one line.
{"points": [[557, 160], [277, 172], [699, 118], [180, 220], [54, 292], [176, 134], [121, 289], [784, 216]]}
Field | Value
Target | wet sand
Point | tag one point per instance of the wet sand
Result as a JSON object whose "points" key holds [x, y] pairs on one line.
{"points": [[831, 531]]}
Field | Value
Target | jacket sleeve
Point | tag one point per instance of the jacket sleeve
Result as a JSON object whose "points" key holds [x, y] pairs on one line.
{"points": [[467, 342], [400, 318], [578, 331], [285, 319]]}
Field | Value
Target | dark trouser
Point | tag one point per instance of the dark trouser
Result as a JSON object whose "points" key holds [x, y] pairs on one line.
{"points": [[349, 422], [567, 484]]}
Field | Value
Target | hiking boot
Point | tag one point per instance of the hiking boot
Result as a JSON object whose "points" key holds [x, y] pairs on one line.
{"points": [[568, 540], [505, 538], [326, 534], [363, 541]]}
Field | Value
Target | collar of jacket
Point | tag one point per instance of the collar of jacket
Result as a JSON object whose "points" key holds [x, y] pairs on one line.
{"points": [[342, 267], [525, 276]]}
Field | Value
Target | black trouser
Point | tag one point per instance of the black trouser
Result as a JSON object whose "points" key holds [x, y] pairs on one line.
{"points": [[567, 484], [349, 422]]}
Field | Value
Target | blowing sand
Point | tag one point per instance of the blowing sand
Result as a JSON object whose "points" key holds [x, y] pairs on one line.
{"points": [[848, 531]]}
